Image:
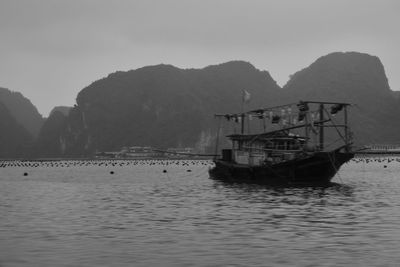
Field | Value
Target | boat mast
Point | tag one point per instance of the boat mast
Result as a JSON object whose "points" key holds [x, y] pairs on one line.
{"points": [[242, 123], [306, 128], [217, 141], [346, 130], [321, 127]]}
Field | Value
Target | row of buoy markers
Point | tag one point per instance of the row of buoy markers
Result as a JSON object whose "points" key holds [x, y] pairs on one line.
{"points": [[152, 162], [109, 163], [379, 160], [50, 164], [112, 172]]}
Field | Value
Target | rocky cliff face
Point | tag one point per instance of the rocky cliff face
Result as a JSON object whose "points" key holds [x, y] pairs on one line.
{"points": [[342, 77], [355, 78], [164, 106], [15, 141], [161, 106], [396, 95], [63, 109], [22, 110], [50, 141]]}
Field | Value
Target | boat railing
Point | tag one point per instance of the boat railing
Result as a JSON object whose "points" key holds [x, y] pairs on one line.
{"points": [[271, 149], [309, 119]]}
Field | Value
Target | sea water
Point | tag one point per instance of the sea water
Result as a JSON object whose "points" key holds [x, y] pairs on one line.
{"points": [[170, 213]]}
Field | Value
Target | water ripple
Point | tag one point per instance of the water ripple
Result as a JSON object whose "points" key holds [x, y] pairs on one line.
{"points": [[81, 215]]}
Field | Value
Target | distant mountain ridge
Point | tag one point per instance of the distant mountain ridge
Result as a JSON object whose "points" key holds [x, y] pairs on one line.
{"points": [[161, 106], [355, 78], [342, 77], [15, 140], [63, 109], [21, 108], [164, 106]]}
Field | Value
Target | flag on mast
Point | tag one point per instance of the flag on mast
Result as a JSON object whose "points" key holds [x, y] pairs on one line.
{"points": [[246, 96]]}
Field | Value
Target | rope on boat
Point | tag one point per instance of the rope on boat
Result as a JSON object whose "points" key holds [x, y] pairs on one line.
{"points": [[333, 165], [334, 142], [217, 141], [334, 123]]}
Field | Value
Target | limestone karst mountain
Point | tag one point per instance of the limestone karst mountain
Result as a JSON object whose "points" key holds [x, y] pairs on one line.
{"points": [[355, 78], [164, 106], [161, 106], [22, 110], [15, 141]]}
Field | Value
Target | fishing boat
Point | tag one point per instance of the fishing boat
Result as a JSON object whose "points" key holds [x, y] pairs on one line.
{"points": [[306, 143]]}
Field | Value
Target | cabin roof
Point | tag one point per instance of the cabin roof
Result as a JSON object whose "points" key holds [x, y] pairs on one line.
{"points": [[265, 136]]}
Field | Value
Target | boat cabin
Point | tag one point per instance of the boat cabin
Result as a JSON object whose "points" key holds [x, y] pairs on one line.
{"points": [[310, 118], [264, 149], [299, 143]]}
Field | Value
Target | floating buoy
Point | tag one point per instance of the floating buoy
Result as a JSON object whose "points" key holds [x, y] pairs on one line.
{"points": [[111, 172], [25, 174], [164, 171], [189, 170]]}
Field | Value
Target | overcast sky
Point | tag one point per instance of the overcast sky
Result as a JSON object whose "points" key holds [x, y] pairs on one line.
{"points": [[51, 49]]}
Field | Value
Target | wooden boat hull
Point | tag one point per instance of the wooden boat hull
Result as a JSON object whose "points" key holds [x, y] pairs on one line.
{"points": [[318, 168]]}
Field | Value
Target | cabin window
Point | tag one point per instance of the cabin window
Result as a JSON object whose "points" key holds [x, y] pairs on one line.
{"points": [[295, 146], [281, 146], [258, 146], [270, 145], [289, 145], [302, 143], [240, 145]]}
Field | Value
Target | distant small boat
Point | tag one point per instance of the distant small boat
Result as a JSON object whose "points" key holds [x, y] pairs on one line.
{"points": [[295, 153]]}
